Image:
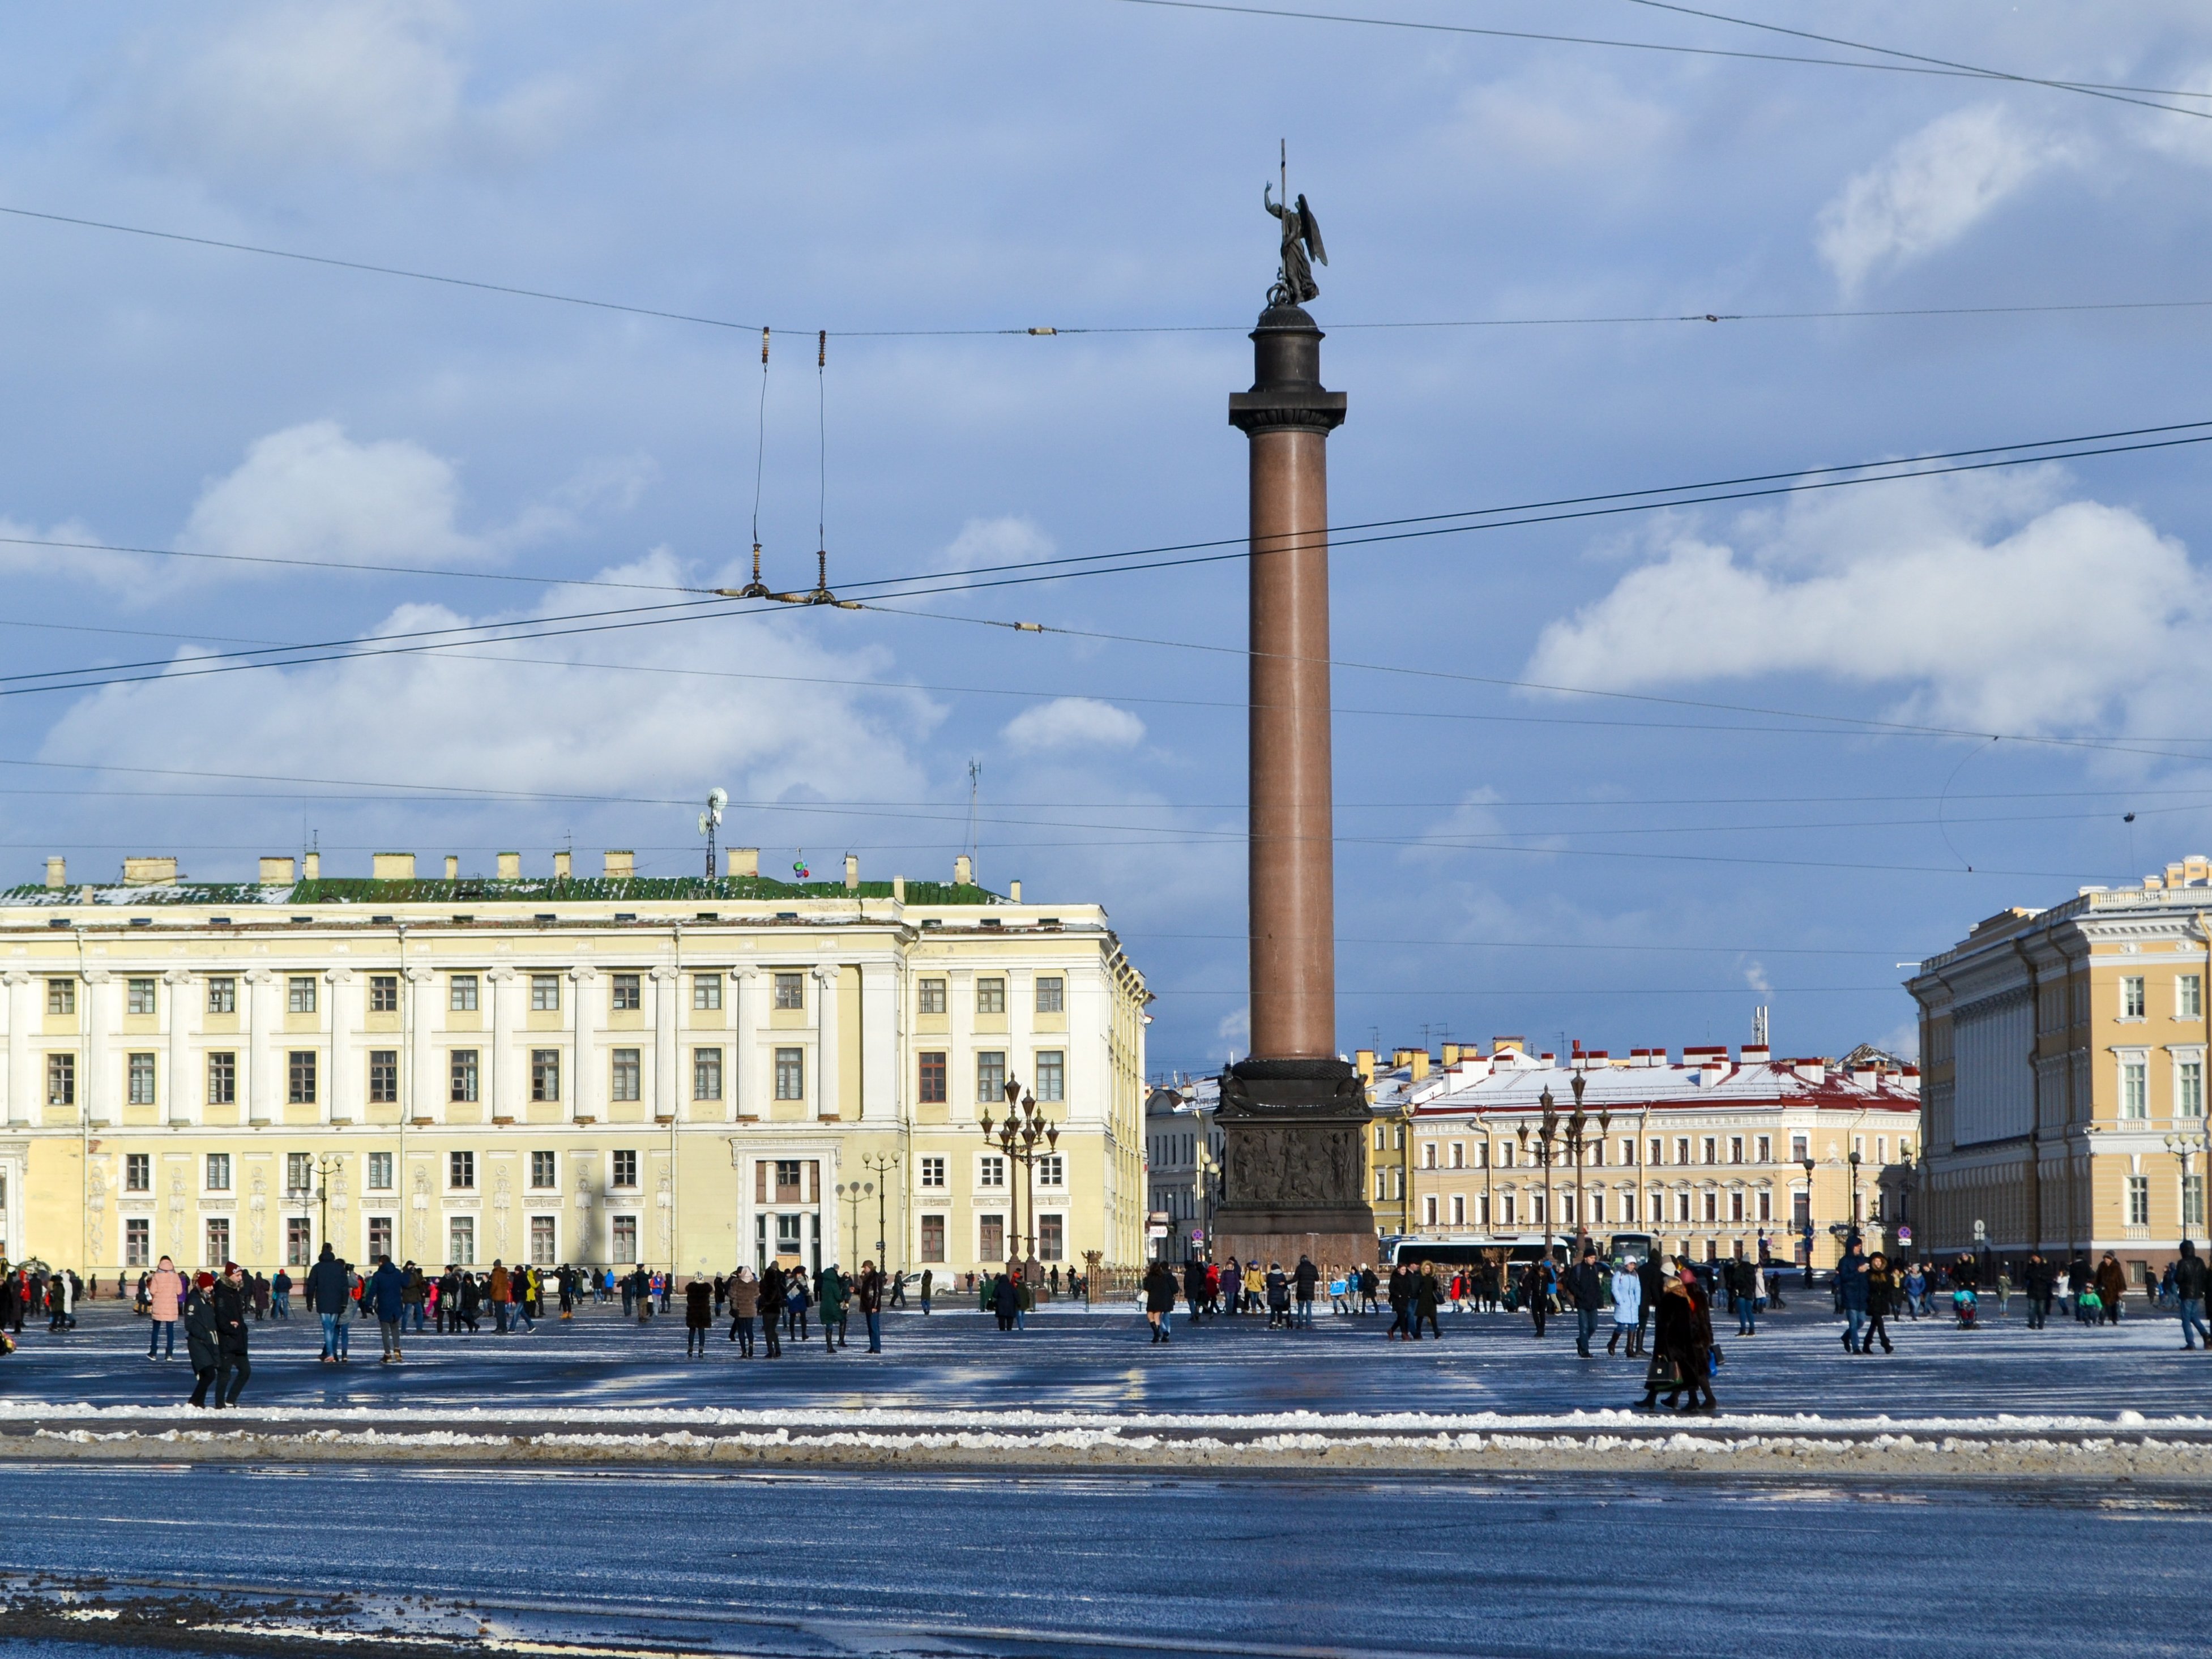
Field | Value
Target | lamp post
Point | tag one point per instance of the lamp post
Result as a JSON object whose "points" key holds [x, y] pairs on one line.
{"points": [[852, 1192], [1406, 1165], [1808, 1163], [882, 1163], [1017, 1138], [1855, 1189], [2185, 1146], [1206, 1168], [1546, 1132]]}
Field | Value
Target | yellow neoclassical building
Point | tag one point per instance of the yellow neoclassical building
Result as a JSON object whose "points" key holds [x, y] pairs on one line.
{"points": [[689, 1073], [2065, 1052]]}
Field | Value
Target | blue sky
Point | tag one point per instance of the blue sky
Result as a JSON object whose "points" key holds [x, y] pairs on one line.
{"points": [[1631, 873]]}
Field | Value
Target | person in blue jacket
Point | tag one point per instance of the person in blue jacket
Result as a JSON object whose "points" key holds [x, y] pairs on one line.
{"points": [[329, 1293], [386, 1293]]}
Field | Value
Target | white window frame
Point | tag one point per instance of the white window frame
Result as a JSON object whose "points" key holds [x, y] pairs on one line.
{"points": [[2138, 1061], [2186, 1058], [2134, 998], [2188, 996], [932, 1177]]}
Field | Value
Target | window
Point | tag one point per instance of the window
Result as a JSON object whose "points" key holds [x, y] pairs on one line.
{"points": [[1508, 1208], [1459, 1155], [545, 1074], [1051, 1074], [991, 1171], [461, 1172], [790, 990], [1628, 1208], [1881, 1149], [384, 994], [625, 1169], [138, 1172], [990, 1238], [1597, 1206], [218, 1240], [707, 991], [379, 1172], [222, 996], [2189, 1089], [2131, 996], [2138, 1200], [545, 993], [931, 993], [623, 1231], [1459, 1210], [1735, 1149], [1682, 1149], [1506, 1151], [1712, 1149], [933, 1238], [2192, 1201], [1658, 1149], [2135, 1088], [1428, 1155], [932, 1171], [705, 1074], [1051, 1238], [141, 1080], [1051, 993], [61, 996], [461, 994], [541, 1241], [1681, 1207], [1766, 1149], [544, 1171], [1736, 1207], [61, 1080], [1052, 1169], [464, 1076], [299, 1241], [2188, 997], [299, 995], [629, 996], [137, 1243], [298, 1173], [628, 1075], [787, 1180], [791, 1074], [300, 1077], [990, 995], [379, 1238], [1628, 1149], [461, 1239], [222, 1079], [384, 1077], [218, 1172], [990, 1075], [138, 997], [1766, 1204], [930, 1090], [1800, 1149]]}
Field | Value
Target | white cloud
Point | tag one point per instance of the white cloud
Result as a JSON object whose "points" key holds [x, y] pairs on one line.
{"points": [[1006, 540], [1989, 603], [1556, 118], [1073, 723], [1754, 975], [559, 724], [1928, 191], [378, 85], [1235, 1030], [22, 554]]}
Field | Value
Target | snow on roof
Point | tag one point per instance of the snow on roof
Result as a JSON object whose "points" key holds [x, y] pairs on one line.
{"points": [[1707, 1077]]}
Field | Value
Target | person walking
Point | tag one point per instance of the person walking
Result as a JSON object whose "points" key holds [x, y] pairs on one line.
{"points": [[2189, 1278], [280, 1295], [1306, 1279], [928, 1287], [1682, 1341], [165, 1299], [414, 1298], [1627, 1308], [1278, 1292], [386, 1295], [1881, 1295], [1428, 1292], [1587, 1282], [500, 1288], [698, 1315], [745, 1303], [230, 1342], [833, 1296], [1536, 1286], [796, 1300], [1194, 1287], [2111, 1285], [202, 1340], [330, 1295], [772, 1292], [1851, 1292], [1159, 1300], [868, 1292], [2039, 1278], [1743, 1285]]}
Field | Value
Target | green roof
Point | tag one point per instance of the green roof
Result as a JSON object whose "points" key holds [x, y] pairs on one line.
{"points": [[589, 890]]}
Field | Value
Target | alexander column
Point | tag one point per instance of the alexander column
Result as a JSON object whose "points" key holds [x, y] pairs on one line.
{"points": [[1293, 1115]]}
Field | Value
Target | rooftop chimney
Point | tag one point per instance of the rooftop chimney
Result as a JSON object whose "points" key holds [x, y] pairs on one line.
{"points": [[963, 872], [57, 872], [621, 863], [510, 867], [561, 865], [1014, 891], [392, 867], [852, 872], [314, 866], [898, 888], [276, 872], [452, 868], [745, 861], [136, 872]]}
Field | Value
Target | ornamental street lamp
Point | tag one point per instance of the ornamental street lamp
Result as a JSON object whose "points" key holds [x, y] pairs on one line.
{"points": [[1808, 1163], [1855, 1189], [1546, 1133], [852, 1192], [881, 1163], [1018, 1138]]}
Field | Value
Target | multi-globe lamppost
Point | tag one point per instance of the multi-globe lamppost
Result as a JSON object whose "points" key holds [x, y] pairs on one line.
{"points": [[1017, 1137]]}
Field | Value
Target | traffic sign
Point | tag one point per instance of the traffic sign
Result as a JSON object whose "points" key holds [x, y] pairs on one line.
{"points": [[1981, 1230], [1905, 1235]]}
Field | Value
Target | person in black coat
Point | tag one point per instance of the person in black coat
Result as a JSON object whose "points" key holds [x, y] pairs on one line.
{"points": [[698, 1315], [1193, 1287], [1682, 1345], [771, 1307], [203, 1343], [2040, 1280], [1586, 1280], [231, 1311]]}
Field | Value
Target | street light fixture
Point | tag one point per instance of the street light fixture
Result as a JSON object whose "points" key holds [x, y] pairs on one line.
{"points": [[1546, 1133], [852, 1192], [1808, 1163], [1017, 1138], [881, 1163]]}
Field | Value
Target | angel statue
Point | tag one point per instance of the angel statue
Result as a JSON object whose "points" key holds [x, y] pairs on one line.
{"points": [[1294, 283]]}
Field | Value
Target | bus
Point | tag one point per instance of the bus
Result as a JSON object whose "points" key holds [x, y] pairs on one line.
{"points": [[1467, 1250], [1631, 1248]]}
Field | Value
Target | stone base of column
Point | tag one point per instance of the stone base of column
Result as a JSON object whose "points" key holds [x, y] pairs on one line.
{"points": [[1292, 1132]]}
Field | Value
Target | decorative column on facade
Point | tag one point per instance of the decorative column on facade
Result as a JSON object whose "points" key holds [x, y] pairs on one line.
{"points": [[883, 1082], [426, 1088], [505, 1086], [584, 1062], [21, 1080], [95, 1099], [667, 1081], [340, 1081], [749, 1091], [176, 1091], [263, 1023], [826, 1080]]}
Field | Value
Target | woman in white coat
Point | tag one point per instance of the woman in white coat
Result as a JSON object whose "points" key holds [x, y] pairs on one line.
{"points": [[1627, 1303]]}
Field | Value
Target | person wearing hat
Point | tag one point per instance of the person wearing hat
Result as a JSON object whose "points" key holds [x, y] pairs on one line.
{"points": [[230, 1317], [203, 1343], [1682, 1345]]}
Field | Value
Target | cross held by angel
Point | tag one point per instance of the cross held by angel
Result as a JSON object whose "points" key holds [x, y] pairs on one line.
{"points": [[1302, 248]]}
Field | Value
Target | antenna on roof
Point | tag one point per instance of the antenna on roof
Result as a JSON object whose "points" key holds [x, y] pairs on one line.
{"points": [[710, 821]]}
